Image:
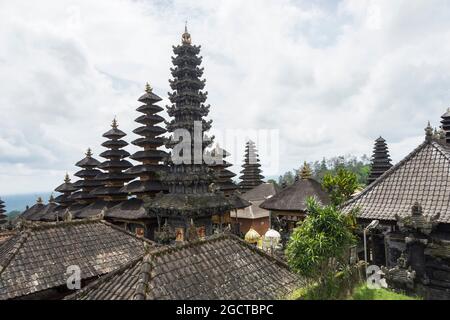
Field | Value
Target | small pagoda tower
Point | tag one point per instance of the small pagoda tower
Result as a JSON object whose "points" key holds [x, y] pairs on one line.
{"points": [[305, 172], [190, 198], [114, 178], [251, 174], [3, 216], [381, 162], [88, 181], [66, 189], [223, 177], [150, 157], [445, 125]]}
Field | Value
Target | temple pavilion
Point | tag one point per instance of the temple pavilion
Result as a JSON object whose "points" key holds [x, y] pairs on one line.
{"points": [[288, 206]]}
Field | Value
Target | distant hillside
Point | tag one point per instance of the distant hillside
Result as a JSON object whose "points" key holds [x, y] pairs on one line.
{"points": [[20, 201]]}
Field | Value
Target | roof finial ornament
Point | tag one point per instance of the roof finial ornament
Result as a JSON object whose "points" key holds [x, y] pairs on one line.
{"points": [[67, 178], [428, 132], [186, 37], [148, 88], [51, 199], [305, 173], [114, 124], [89, 153], [39, 200]]}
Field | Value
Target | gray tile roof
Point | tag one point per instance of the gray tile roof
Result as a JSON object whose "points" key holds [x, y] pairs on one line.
{"points": [[423, 176], [220, 267], [261, 192], [37, 258]]}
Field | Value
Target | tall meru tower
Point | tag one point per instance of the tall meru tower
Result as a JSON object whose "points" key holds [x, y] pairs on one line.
{"points": [[190, 203]]}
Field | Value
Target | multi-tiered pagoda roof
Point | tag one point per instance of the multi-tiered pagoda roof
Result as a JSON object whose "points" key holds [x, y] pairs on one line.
{"points": [[381, 162], [114, 178], [66, 189], [150, 157], [88, 181], [188, 177], [251, 174], [3, 216], [151, 160], [224, 177]]}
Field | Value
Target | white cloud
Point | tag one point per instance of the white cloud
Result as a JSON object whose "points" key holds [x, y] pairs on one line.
{"points": [[331, 76]]}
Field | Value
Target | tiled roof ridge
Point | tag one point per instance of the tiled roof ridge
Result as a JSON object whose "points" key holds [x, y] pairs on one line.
{"points": [[23, 236], [102, 279], [440, 148], [390, 171], [217, 237], [147, 265], [42, 225]]}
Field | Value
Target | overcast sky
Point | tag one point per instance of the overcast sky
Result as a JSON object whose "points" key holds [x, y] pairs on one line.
{"points": [[330, 76]]}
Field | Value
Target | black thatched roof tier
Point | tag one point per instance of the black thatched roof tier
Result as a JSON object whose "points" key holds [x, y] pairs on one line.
{"points": [[149, 98], [143, 169], [33, 211], [149, 142], [237, 202], [149, 131], [114, 134], [114, 153], [131, 209], [87, 173], [423, 176], [43, 252], [149, 119], [96, 209], [188, 205], [143, 187], [66, 187], [227, 266], [381, 162], [293, 198]]}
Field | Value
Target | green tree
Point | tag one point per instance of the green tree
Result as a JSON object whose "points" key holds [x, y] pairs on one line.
{"points": [[340, 186], [319, 246]]}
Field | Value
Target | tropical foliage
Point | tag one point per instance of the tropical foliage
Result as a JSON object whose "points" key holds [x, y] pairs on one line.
{"points": [[319, 246]]}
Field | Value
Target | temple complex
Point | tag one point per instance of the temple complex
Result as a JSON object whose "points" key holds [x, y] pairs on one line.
{"points": [[251, 174], [190, 200], [381, 162]]}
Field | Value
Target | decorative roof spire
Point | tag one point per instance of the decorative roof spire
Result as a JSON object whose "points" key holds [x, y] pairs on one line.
{"points": [[114, 124], [186, 37], [51, 199], [305, 173], [67, 178], [89, 153], [148, 88], [428, 132], [381, 162], [39, 200]]}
